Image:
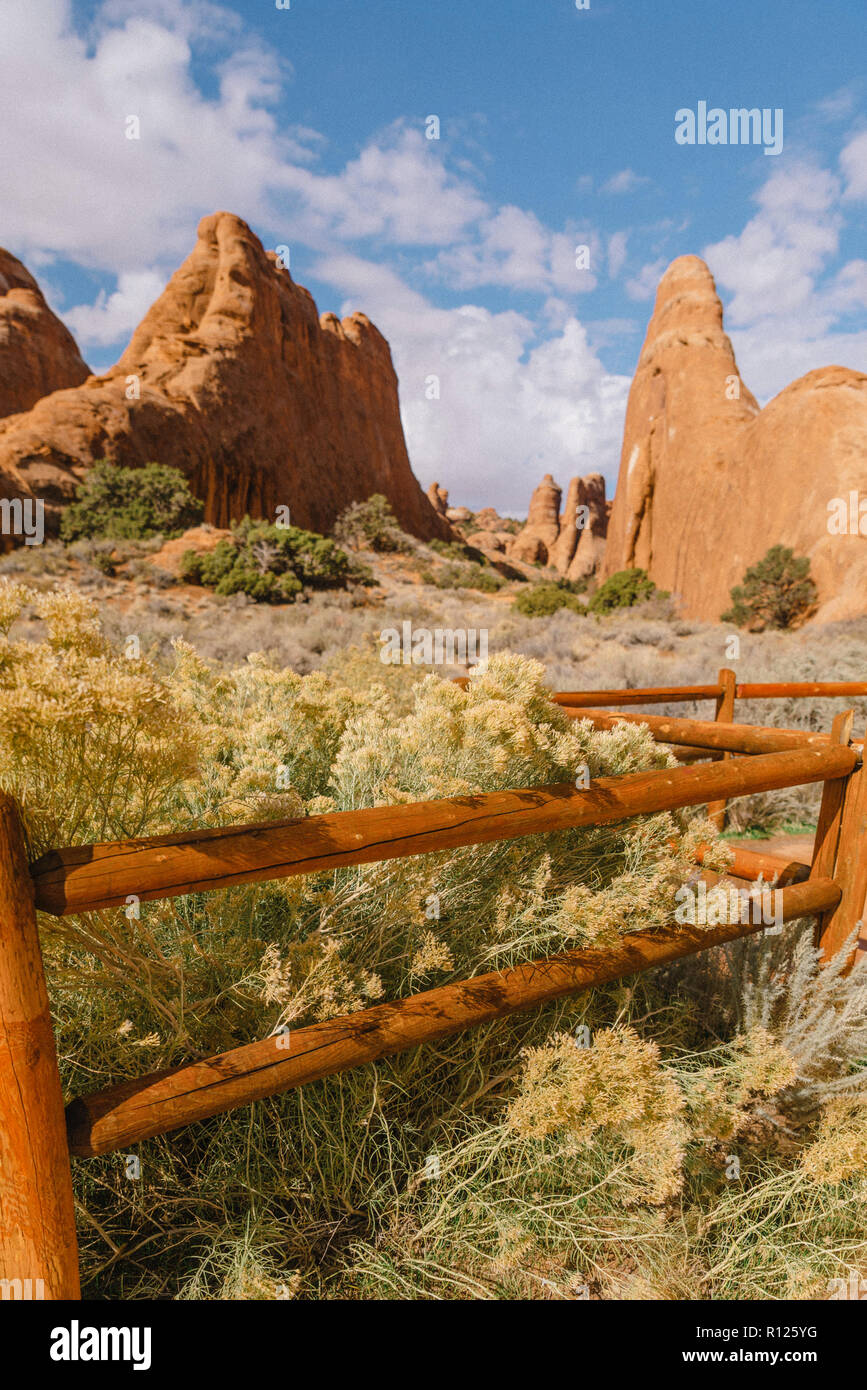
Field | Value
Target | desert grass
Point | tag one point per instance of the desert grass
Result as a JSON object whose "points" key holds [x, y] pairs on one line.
{"points": [[698, 1132]]}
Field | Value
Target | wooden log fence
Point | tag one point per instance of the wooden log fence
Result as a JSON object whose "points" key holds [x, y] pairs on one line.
{"points": [[164, 1101], [37, 1230], [725, 693], [677, 694], [88, 877], [704, 733], [725, 713]]}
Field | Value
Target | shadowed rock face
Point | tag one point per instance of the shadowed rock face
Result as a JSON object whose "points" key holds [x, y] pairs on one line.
{"points": [[37, 353], [233, 378], [708, 481]]}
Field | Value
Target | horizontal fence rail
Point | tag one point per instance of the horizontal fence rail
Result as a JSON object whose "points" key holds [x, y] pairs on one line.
{"points": [[164, 1101], [673, 694], [87, 877], [37, 1225], [815, 690], [732, 738], [751, 865], [655, 695]]}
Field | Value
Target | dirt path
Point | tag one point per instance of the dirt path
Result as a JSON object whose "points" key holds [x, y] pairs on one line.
{"points": [[797, 847]]}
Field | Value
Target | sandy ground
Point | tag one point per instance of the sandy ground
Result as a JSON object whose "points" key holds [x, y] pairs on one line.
{"points": [[796, 847]]}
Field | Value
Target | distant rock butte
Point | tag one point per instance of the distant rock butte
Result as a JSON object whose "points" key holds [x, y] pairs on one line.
{"points": [[534, 543], [573, 543], [580, 547], [438, 498], [708, 481], [37, 353], [488, 519], [233, 378]]}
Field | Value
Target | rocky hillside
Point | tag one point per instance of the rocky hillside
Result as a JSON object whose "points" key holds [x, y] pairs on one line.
{"points": [[708, 481], [234, 378]]}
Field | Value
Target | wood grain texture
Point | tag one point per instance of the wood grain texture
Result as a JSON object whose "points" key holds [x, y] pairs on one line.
{"points": [[750, 865], [815, 690], [725, 713], [650, 695], [843, 832], [705, 733], [659, 695], [87, 877], [165, 1101], [827, 838], [37, 1220]]}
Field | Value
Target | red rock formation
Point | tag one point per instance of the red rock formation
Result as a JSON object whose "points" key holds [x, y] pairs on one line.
{"points": [[563, 548], [488, 519], [486, 540], [708, 482], [37, 353], [534, 543], [233, 378], [580, 547], [571, 544], [438, 498]]}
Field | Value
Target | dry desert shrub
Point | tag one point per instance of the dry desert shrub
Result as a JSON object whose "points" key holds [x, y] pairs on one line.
{"points": [[507, 1161]]}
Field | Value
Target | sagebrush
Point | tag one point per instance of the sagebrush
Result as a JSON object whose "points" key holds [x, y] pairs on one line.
{"points": [[580, 1150]]}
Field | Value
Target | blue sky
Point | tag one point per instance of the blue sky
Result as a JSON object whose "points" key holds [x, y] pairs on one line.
{"points": [[556, 130]]}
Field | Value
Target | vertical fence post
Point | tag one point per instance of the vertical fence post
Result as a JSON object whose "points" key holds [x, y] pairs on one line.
{"points": [[38, 1247], [725, 708], [841, 852]]}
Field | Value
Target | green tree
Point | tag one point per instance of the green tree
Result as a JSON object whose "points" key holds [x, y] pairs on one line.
{"points": [[776, 592], [622, 590], [271, 564], [541, 600], [371, 523], [115, 503]]}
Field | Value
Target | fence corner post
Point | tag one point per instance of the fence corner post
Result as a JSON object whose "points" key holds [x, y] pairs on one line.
{"points": [[38, 1246], [725, 709], [840, 850]]}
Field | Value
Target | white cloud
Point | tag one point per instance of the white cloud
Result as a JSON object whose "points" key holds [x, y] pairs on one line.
{"points": [[514, 403], [772, 265], [517, 399], [853, 162], [113, 317], [644, 284], [398, 190], [785, 310], [626, 181], [840, 105], [514, 249], [73, 184], [617, 253], [773, 353]]}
